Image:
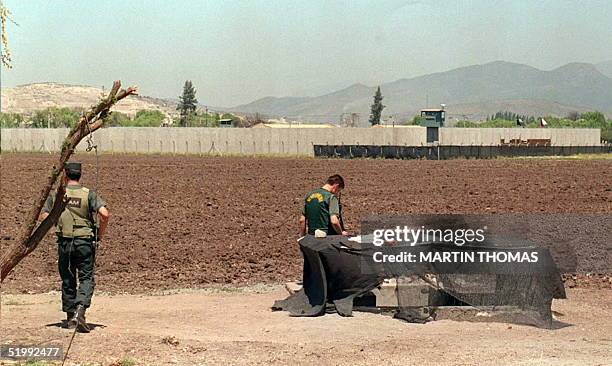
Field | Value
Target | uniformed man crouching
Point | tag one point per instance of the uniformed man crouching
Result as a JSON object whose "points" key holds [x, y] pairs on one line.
{"points": [[79, 228], [322, 211]]}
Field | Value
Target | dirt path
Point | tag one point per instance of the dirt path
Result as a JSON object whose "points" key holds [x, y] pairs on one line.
{"points": [[235, 326]]}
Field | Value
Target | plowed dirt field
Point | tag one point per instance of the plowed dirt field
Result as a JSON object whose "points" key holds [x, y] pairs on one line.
{"points": [[188, 221]]}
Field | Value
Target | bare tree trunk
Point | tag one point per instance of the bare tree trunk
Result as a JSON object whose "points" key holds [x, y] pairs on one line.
{"points": [[32, 235]]}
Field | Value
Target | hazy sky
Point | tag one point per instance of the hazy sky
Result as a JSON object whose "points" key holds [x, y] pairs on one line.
{"points": [[238, 51]]}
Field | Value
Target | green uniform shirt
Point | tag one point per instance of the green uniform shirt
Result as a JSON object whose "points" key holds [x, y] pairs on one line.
{"points": [[94, 203], [319, 206]]}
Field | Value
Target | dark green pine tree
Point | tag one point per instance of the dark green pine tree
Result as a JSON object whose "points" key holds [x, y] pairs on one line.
{"points": [[377, 108], [187, 102]]}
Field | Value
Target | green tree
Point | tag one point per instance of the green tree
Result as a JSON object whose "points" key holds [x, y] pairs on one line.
{"points": [[55, 117], [197, 119], [117, 119], [10, 120], [415, 121], [377, 108], [593, 119], [187, 102], [596, 119], [148, 118]]}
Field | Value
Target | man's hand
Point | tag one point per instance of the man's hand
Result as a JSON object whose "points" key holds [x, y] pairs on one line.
{"points": [[335, 221], [345, 233], [302, 225], [103, 216]]}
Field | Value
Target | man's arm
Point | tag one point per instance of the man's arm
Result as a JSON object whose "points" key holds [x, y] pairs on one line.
{"points": [[103, 216], [46, 208], [335, 221], [302, 225], [334, 216], [99, 206]]}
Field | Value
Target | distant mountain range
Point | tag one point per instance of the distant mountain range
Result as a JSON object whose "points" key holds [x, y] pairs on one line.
{"points": [[471, 92]]}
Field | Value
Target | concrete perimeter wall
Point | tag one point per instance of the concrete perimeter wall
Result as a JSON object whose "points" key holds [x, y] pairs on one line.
{"points": [[249, 141], [493, 136], [274, 141]]}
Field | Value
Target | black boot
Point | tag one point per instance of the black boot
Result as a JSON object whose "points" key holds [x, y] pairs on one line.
{"points": [[71, 320], [82, 326]]}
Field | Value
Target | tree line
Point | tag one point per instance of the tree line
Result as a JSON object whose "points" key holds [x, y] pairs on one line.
{"points": [[507, 119], [56, 117], [511, 116]]}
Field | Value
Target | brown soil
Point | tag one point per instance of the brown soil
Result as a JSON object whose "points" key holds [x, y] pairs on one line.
{"points": [[192, 221], [237, 327]]}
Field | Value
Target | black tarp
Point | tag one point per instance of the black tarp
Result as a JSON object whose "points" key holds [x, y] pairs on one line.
{"points": [[336, 271], [332, 274]]}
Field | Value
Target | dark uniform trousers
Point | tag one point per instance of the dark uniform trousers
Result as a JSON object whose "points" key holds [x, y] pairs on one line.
{"points": [[76, 267]]}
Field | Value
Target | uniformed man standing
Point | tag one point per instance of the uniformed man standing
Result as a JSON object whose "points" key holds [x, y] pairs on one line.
{"points": [[79, 228], [322, 209]]}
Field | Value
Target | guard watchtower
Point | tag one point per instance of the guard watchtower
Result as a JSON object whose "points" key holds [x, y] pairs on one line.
{"points": [[432, 119]]}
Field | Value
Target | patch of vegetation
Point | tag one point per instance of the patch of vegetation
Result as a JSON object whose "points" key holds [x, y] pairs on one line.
{"points": [[585, 120], [202, 119], [52, 117], [66, 117], [415, 121], [495, 123], [117, 119], [511, 116], [128, 361], [11, 120], [36, 363], [147, 118]]}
